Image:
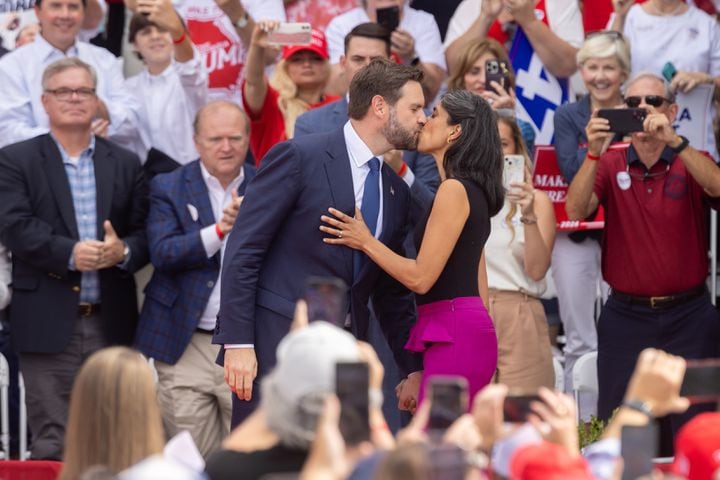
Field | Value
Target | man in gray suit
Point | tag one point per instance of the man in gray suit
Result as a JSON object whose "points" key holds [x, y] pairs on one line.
{"points": [[364, 43]]}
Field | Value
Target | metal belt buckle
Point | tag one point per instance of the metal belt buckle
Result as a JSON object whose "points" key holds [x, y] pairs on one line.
{"points": [[654, 300], [85, 309]]}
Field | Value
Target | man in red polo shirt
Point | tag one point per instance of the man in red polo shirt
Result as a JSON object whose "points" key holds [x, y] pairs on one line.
{"points": [[654, 248]]}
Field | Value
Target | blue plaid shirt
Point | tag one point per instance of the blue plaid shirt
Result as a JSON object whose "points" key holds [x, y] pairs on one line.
{"points": [[81, 175]]}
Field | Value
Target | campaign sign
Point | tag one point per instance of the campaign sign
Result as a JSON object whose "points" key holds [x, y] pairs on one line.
{"points": [[548, 178], [694, 118], [539, 92]]}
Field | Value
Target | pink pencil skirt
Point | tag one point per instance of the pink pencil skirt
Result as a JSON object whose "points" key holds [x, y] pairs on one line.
{"points": [[456, 337]]}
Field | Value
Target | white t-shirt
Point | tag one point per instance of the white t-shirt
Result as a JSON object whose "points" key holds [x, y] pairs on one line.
{"points": [[564, 19], [217, 41], [421, 25], [690, 41]]}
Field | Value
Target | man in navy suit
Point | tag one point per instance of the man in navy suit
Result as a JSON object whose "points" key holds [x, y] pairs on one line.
{"points": [[280, 244], [192, 209], [364, 43], [73, 208]]}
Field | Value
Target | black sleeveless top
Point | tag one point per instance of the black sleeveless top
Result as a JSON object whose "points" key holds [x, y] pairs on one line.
{"points": [[459, 278]]}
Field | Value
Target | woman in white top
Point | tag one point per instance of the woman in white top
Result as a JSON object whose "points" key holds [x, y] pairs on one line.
{"points": [[518, 256]]}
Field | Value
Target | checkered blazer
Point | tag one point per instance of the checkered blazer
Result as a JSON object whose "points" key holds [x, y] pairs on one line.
{"points": [[184, 277]]}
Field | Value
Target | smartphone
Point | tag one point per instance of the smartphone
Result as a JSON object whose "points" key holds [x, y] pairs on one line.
{"points": [[352, 381], [496, 71], [449, 400], [326, 299], [388, 17], [517, 407], [702, 380], [624, 120], [291, 34], [638, 447], [513, 171], [669, 71], [447, 462]]}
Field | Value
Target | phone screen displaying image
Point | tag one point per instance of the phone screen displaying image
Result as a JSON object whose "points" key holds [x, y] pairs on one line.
{"points": [[351, 386], [326, 300], [448, 401]]}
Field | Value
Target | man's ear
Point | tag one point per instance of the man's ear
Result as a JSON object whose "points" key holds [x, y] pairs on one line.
{"points": [[672, 112], [378, 106]]}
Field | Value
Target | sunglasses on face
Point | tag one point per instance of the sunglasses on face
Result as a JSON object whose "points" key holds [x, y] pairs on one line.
{"points": [[634, 101]]}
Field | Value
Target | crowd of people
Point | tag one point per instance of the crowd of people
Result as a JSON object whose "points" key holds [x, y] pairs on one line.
{"points": [[162, 221]]}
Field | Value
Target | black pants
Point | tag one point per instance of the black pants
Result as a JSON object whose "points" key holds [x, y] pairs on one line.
{"points": [[690, 330]]}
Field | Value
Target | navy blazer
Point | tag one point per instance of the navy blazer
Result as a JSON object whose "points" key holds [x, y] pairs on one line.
{"points": [[276, 244], [184, 277], [38, 226], [334, 115]]}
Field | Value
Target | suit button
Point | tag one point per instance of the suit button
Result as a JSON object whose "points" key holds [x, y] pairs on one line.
{"points": [[76, 288], [211, 284]]}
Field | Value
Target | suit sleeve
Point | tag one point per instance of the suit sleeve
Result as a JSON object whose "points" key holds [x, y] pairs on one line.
{"points": [[269, 199], [395, 308], [30, 239], [303, 125], [171, 248], [135, 235]]}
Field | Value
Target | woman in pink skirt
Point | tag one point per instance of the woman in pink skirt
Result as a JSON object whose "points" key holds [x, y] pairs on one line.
{"points": [[453, 330]]}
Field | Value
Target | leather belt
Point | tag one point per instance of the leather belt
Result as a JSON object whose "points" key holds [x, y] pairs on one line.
{"points": [[87, 309], [661, 302]]}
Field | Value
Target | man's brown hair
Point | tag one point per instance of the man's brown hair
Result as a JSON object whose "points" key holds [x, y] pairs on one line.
{"points": [[380, 77]]}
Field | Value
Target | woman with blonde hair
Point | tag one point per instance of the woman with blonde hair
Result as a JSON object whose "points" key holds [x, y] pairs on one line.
{"points": [[518, 254], [296, 86], [114, 417]]}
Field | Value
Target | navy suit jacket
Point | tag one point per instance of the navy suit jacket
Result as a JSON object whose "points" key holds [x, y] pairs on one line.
{"points": [[276, 244], [184, 276], [334, 115], [38, 226]]}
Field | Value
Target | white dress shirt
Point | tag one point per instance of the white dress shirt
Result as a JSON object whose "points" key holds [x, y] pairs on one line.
{"points": [[421, 25], [5, 277], [22, 115], [360, 155], [169, 103], [219, 199]]}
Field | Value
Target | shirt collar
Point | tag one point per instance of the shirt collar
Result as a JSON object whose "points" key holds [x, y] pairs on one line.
{"points": [[667, 155], [209, 179], [359, 152], [87, 152], [46, 49]]}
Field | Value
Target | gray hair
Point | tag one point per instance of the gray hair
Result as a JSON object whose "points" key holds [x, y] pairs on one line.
{"points": [[295, 423], [214, 105], [68, 63], [604, 45], [668, 93]]}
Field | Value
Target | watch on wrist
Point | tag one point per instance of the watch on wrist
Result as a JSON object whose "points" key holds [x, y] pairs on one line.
{"points": [[242, 22], [639, 406], [683, 144]]}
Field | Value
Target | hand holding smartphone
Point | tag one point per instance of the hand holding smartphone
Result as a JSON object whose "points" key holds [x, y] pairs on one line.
{"points": [[624, 120], [496, 71]]}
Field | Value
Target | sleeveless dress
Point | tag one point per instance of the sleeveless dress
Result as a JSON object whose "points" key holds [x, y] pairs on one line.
{"points": [[454, 330]]}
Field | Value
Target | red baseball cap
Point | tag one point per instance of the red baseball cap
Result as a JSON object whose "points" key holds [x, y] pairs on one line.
{"points": [[318, 44], [697, 447], [548, 461]]}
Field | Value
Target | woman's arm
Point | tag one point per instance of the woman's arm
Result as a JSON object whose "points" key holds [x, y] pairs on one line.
{"points": [[447, 219], [539, 237], [483, 281], [255, 87]]}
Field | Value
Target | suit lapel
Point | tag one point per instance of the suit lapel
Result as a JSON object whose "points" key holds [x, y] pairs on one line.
{"points": [[104, 166], [199, 195], [339, 177], [59, 184]]}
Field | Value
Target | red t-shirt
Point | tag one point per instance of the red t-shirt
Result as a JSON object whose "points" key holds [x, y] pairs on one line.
{"points": [[655, 240], [267, 127]]}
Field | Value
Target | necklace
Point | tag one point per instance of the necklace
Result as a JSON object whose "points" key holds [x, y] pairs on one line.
{"points": [[654, 10]]}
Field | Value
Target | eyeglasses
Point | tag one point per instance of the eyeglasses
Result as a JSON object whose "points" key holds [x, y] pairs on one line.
{"points": [[633, 101], [64, 94]]}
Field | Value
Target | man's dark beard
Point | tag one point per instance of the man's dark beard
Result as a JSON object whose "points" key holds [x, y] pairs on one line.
{"points": [[397, 136]]}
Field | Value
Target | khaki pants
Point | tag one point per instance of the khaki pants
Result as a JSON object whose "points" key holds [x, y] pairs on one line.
{"points": [[193, 395], [524, 355]]}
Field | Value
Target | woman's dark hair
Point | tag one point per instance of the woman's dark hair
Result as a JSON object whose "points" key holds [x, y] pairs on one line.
{"points": [[477, 154]]}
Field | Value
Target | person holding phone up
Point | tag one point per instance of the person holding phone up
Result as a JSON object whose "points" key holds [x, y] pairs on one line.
{"points": [[453, 329], [518, 257], [654, 247]]}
